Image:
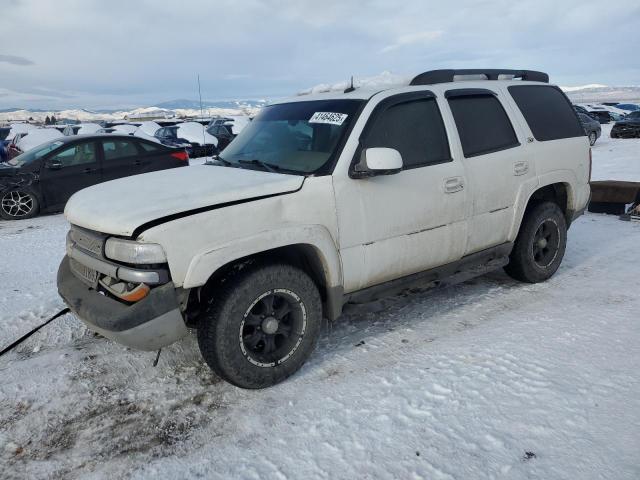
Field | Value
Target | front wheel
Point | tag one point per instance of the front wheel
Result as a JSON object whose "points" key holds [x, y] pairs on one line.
{"points": [[261, 325], [18, 204], [540, 245]]}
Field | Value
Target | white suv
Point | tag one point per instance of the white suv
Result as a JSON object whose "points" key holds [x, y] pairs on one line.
{"points": [[327, 199]]}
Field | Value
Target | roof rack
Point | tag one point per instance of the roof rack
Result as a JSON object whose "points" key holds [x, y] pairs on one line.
{"points": [[444, 76]]}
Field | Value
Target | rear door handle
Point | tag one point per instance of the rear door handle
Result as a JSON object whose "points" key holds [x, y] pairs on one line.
{"points": [[453, 184], [520, 168], [89, 170]]}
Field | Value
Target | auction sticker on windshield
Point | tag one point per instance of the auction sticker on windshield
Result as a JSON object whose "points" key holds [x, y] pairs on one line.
{"points": [[328, 117]]}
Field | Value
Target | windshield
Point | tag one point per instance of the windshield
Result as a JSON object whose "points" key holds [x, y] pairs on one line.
{"points": [[34, 154], [299, 137]]}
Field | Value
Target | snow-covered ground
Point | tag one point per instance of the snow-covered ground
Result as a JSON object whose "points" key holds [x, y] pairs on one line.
{"points": [[616, 158], [487, 379]]}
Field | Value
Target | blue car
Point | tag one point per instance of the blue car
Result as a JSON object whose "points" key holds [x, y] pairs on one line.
{"points": [[631, 107]]}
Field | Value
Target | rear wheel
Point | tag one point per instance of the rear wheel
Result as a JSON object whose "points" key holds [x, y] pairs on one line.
{"points": [[592, 138], [18, 204], [540, 245], [261, 325]]}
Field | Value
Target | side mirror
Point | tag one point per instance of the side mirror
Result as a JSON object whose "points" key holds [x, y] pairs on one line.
{"points": [[378, 161], [54, 164]]}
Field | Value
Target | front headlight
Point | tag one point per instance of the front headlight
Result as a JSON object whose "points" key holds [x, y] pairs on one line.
{"points": [[129, 251]]}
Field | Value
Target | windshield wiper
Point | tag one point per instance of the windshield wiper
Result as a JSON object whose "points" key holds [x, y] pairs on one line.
{"points": [[218, 158], [266, 166]]}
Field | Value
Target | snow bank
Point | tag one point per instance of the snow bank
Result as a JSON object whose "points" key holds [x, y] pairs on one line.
{"points": [[195, 132], [384, 80], [37, 137]]}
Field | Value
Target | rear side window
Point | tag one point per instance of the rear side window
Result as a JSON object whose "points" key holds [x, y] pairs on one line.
{"points": [[483, 125], [415, 129], [149, 147], [547, 111], [119, 148]]}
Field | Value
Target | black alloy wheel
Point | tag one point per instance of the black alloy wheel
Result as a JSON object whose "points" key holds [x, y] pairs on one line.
{"points": [[273, 327]]}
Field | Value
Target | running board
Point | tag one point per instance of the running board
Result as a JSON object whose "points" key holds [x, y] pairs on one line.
{"points": [[466, 268]]}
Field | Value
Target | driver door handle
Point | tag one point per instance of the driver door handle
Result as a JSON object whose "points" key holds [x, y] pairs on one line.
{"points": [[453, 184], [89, 170]]}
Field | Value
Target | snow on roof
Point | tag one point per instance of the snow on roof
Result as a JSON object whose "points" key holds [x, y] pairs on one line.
{"points": [[147, 130], [195, 132], [125, 128], [38, 136], [382, 82], [17, 128], [88, 128]]}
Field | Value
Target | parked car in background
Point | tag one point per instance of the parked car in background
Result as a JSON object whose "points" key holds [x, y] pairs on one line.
{"points": [[68, 130], [43, 179], [88, 128], [147, 130], [601, 114], [223, 132], [629, 107], [37, 137], [581, 109], [12, 145], [225, 129], [125, 128], [629, 127], [169, 136], [202, 143], [591, 127]]}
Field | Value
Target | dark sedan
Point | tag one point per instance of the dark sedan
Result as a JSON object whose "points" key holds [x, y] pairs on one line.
{"points": [[591, 127], [629, 127], [169, 136], [43, 179]]}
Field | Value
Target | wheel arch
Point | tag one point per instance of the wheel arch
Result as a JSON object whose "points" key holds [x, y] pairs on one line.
{"points": [[560, 192], [311, 250]]}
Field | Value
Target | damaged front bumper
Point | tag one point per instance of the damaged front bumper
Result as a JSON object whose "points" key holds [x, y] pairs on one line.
{"points": [[149, 324]]}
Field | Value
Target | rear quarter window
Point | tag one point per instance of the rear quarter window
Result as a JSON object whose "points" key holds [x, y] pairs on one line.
{"points": [[547, 111]]}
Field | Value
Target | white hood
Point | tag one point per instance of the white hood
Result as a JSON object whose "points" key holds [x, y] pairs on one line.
{"points": [[120, 206]]}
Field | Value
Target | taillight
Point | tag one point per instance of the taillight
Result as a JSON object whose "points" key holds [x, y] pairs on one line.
{"points": [[590, 163], [182, 156]]}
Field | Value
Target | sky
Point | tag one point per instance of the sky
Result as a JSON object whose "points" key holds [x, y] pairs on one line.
{"points": [[125, 53]]}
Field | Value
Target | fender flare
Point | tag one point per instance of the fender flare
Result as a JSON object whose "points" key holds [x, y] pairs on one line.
{"points": [[204, 264], [566, 177]]}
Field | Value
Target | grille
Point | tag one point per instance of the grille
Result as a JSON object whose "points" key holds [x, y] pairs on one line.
{"points": [[87, 240]]}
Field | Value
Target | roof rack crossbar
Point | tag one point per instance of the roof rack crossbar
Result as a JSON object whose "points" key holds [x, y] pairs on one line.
{"points": [[444, 76]]}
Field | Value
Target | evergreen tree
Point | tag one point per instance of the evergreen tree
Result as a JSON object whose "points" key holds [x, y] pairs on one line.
{"points": [[53, 120], [47, 121]]}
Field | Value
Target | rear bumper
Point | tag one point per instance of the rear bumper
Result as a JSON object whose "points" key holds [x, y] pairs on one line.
{"points": [[151, 323]]}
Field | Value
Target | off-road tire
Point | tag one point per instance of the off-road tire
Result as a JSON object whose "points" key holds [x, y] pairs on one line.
{"points": [[592, 138], [523, 265], [26, 197], [221, 327]]}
